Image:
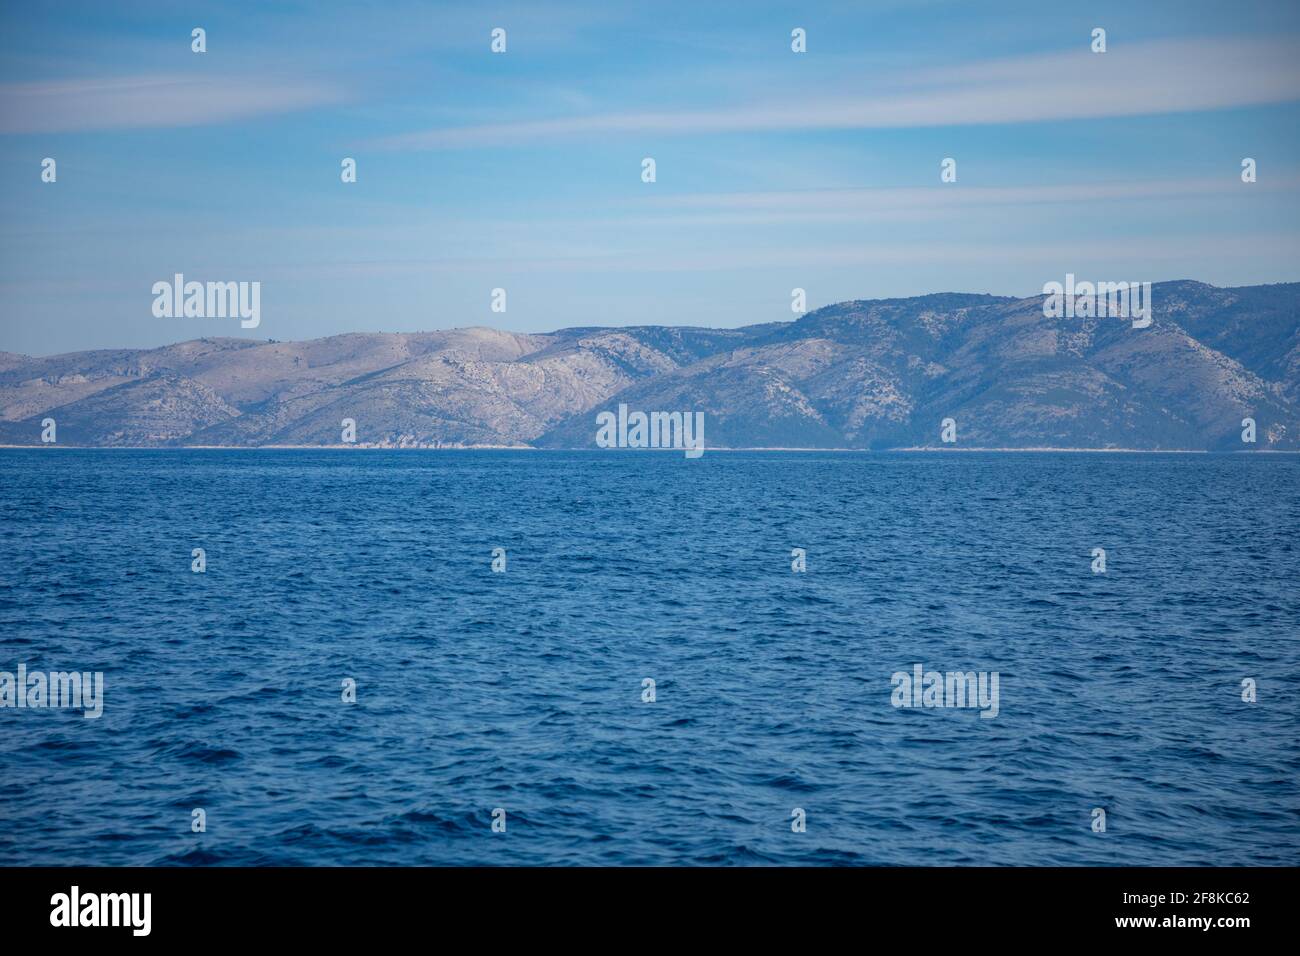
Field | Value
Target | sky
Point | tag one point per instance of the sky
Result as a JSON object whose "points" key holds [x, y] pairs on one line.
{"points": [[522, 170]]}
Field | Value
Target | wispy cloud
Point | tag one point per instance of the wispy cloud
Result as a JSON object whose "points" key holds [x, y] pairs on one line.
{"points": [[925, 203], [1171, 76], [152, 101], [1170, 256]]}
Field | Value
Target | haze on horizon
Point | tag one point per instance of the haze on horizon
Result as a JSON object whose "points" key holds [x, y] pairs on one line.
{"points": [[522, 170]]}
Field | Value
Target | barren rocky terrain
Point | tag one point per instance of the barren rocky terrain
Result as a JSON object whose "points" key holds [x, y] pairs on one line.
{"points": [[861, 374]]}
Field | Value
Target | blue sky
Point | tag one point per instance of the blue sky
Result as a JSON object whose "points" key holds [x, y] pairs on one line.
{"points": [[522, 170]]}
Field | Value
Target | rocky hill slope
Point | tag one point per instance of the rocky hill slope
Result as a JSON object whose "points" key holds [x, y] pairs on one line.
{"points": [[863, 374]]}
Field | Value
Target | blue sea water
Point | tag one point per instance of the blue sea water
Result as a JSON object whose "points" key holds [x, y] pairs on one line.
{"points": [[522, 690]]}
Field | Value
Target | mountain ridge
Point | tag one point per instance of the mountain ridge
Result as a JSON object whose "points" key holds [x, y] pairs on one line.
{"points": [[876, 373]]}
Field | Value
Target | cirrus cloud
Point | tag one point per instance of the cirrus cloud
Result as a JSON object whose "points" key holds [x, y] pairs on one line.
{"points": [[1167, 76], [162, 100]]}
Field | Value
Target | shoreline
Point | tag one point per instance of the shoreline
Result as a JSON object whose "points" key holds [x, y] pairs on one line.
{"points": [[919, 449]]}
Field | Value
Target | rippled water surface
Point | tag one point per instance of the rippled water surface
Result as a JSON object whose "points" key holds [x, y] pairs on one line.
{"points": [[523, 690]]}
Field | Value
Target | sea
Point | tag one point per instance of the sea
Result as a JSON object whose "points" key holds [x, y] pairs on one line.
{"points": [[465, 657]]}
